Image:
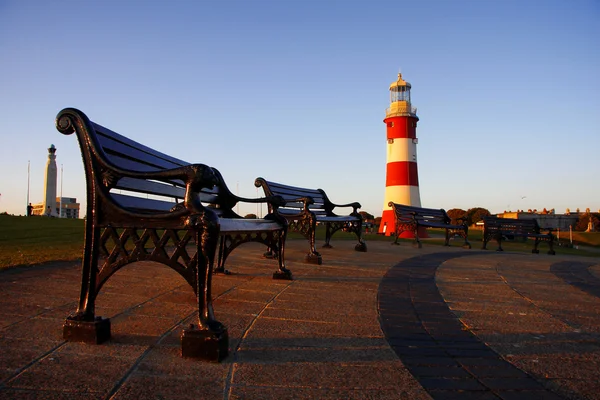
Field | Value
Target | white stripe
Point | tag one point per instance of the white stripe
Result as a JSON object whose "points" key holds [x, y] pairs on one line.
{"points": [[401, 150], [402, 194]]}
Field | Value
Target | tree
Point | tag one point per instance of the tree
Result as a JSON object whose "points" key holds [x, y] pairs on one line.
{"points": [[476, 214], [377, 221], [455, 214], [251, 216], [366, 216]]}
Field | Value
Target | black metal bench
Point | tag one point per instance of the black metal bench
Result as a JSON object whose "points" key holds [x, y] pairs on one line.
{"points": [[305, 208], [143, 205], [501, 228], [410, 219]]}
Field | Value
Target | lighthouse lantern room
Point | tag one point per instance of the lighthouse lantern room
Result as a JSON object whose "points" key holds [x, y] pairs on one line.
{"points": [[401, 182]]}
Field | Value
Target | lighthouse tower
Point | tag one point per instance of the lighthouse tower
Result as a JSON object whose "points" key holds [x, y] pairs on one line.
{"points": [[401, 179], [50, 184]]}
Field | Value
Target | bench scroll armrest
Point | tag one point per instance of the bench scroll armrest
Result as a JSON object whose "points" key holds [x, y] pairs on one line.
{"points": [[275, 201], [355, 205], [307, 201], [195, 176]]}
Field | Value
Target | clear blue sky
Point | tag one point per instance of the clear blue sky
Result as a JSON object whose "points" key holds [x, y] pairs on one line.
{"points": [[507, 91]]}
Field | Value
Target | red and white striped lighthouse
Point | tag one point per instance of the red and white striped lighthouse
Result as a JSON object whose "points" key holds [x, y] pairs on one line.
{"points": [[401, 179]]}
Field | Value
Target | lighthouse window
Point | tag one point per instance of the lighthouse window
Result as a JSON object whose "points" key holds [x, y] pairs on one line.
{"points": [[401, 93], [390, 124]]}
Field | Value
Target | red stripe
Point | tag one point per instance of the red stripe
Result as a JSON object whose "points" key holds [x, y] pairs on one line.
{"points": [[401, 173], [401, 127], [387, 221]]}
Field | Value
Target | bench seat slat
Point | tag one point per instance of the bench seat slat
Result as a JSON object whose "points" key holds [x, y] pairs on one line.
{"points": [[229, 225], [441, 225], [344, 218]]}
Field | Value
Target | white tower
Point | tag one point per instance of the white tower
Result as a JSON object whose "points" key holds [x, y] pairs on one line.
{"points": [[50, 184], [402, 181]]}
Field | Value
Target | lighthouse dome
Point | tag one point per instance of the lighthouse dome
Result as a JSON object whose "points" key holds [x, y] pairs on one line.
{"points": [[399, 83]]}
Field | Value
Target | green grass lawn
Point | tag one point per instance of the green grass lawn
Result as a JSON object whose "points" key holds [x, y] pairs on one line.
{"points": [[34, 240]]}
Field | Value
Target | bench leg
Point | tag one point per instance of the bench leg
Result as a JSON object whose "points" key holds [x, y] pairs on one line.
{"points": [[447, 238], [83, 325], [314, 257], [485, 237], [536, 242], [361, 246], [222, 256], [417, 242], [499, 240], [210, 341], [397, 233], [328, 235], [551, 244], [466, 245], [283, 272]]}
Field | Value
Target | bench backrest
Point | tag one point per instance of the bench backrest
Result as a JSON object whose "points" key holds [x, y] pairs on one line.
{"points": [[321, 206], [127, 154], [139, 195], [407, 214], [512, 225]]}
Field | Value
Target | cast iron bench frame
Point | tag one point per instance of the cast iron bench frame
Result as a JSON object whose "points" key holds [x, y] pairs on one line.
{"points": [[185, 204], [411, 218], [498, 228], [304, 208]]}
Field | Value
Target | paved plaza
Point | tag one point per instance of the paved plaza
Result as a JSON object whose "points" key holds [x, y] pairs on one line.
{"points": [[393, 323]]}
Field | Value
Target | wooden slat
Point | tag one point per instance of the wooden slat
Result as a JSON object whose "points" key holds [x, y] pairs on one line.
{"points": [[151, 187], [141, 204], [247, 225], [119, 143]]}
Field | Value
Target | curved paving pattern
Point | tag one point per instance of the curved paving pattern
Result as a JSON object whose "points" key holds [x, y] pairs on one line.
{"points": [[446, 359], [578, 275], [463, 324]]}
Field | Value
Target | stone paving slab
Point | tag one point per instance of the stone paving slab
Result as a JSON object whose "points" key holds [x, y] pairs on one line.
{"points": [[393, 323]]}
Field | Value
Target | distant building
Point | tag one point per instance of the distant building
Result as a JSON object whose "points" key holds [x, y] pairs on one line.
{"points": [[52, 206], [70, 208], [544, 219]]}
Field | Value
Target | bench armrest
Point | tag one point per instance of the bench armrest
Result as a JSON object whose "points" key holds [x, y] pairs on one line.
{"points": [[276, 201], [307, 201], [355, 205], [296, 211], [195, 176]]}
